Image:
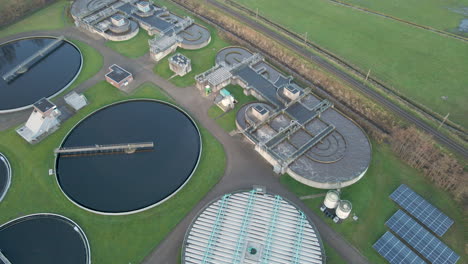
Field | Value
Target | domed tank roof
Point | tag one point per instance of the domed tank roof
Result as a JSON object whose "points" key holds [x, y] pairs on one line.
{"points": [[252, 227], [344, 209], [331, 199]]}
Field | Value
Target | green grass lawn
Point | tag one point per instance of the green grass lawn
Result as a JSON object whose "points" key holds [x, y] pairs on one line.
{"points": [[113, 239], [441, 14], [228, 120], [49, 18], [371, 204], [132, 48], [421, 65]]}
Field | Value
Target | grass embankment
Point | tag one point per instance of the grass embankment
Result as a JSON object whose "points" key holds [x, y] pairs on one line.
{"points": [[420, 65], [92, 63], [49, 18], [227, 120], [202, 59], [134, 236], [134, 47], [373, 206], [441, 14]]}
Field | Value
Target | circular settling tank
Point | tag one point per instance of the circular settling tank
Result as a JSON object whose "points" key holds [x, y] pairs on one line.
{"points": [[5, 176], [44, 239], [44, 76], [252, 227], [130, 182]]}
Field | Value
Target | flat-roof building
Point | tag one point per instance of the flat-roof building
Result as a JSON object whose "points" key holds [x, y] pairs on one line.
{"points": [[75, 100], [180, 64], [118, 76]]}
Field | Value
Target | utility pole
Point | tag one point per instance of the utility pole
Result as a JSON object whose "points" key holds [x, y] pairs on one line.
{"points": [[443, 121], [305, 38], [367, 76], [256, 14]]}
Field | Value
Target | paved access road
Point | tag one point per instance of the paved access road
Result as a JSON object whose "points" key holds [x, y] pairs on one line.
{"points": [[244, 168], [439, 136]]}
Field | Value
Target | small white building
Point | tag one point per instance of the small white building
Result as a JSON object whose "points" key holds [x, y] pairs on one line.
{"points": [[180, 64], [43, 120], [76, 101], [225, 100]]}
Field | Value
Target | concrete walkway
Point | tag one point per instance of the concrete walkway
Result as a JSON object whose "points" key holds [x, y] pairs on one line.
{"points": [[312, 196], [244, 168]]}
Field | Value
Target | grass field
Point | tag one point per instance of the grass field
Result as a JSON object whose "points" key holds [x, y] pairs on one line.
{"points": [[132, 48], [113, 239], [421, 65], [49, 18], [441, 14], [228, 120], [373, 207]]}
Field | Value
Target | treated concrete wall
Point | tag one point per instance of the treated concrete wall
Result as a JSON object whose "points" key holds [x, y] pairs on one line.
{"points": [[323, 185]]}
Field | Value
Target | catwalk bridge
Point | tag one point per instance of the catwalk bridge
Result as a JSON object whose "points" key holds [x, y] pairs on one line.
{"points": [[38, 55], [3, 258], [128, 148]]}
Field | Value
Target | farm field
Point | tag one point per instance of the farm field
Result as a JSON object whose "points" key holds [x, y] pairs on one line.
{"points": [[444, 15], [372, 205], [421, 65]]}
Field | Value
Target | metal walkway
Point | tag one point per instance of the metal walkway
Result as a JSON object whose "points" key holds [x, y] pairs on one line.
{"points": [[99, 149], [4, 259], [23, 67]]}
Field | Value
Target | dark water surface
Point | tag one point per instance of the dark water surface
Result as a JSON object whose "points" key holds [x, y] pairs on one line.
{"points": [[3, 176], [118, 183], [45, 78], [42, 240]]}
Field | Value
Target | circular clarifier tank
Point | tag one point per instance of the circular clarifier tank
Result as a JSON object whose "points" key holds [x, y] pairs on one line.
{"points": [[44, 239], [5, 176], [129, 181], [35, 67]]}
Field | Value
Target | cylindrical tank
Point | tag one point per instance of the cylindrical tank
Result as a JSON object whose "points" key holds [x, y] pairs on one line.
{"points": [[344, 209], [331, 199]]}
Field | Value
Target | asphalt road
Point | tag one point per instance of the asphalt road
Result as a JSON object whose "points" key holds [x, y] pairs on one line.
{"points": [[244, 167], [439, 136]]}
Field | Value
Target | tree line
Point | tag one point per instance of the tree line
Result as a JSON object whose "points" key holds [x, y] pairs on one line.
{"points": [[13, 10]]}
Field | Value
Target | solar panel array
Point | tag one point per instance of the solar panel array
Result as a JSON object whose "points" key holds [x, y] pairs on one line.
{"points": [[422, 210], [428, 245], [395, 252]]}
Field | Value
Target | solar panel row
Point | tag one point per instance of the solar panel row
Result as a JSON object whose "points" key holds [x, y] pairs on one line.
{"points": [[428, 245], [394, 251], [422, 210]]}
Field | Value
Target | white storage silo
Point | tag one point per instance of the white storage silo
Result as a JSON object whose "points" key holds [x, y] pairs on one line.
{"points": [[344, 209], [331, 199]]}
